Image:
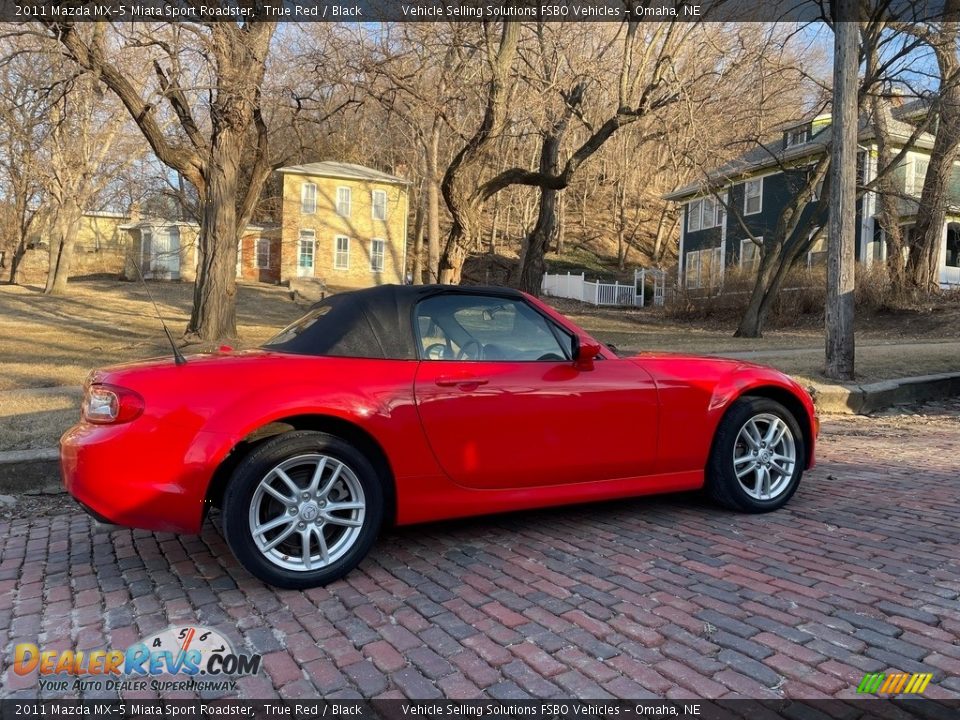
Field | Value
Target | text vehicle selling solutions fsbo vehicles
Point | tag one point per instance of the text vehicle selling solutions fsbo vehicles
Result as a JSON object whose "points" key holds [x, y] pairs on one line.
{"points": [[405, 404]]}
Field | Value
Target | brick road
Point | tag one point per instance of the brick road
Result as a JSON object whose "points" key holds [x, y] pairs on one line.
{"points": [[646, 598]]}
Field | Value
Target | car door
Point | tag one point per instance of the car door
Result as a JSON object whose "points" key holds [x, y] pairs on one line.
{"points": [[504, 406]]}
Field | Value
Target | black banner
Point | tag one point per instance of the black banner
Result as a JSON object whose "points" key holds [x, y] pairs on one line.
{"points": [[450, 10], [487, 709]]}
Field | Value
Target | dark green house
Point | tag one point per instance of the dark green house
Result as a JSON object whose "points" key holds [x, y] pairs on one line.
{"points": [[759, 184]]}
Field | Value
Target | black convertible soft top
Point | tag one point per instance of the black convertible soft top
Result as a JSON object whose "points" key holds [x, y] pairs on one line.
{"points": [[375, 322]]}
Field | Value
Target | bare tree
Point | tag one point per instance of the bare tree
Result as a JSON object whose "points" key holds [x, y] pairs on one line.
{"points": [[25, 98], [89, 146], [210, 78], [459, 185], [943, 38]]}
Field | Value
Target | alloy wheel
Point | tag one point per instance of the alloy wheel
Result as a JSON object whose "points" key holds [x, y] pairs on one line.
{"points": [[307, 512], [764, 456]]}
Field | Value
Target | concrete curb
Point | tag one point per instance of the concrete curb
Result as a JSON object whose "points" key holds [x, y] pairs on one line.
{"points": [[26, 471], [30, 471], [865, 399]]}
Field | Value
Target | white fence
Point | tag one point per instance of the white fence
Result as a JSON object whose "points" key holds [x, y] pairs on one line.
{"points": [[577, 287]]}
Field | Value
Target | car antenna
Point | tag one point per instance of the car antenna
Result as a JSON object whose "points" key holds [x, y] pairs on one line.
{"points": [[178, 357]]}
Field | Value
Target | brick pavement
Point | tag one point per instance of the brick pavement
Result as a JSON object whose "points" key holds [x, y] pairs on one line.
{"points": [[657, 597]]}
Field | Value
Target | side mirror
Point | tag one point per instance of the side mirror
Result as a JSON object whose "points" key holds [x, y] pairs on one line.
{"points": [[584, 353]]}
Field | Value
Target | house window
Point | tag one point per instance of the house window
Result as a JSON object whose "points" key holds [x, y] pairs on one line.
{"points": [[916, 175], [704, 268], [798, 136], [750, 254], [378, 203], [693, 269], [753, 196], [263, 253], [343, 201], [693, 215], [341, 255], [817, 254], [308, 198], [305, 250], [709, 213], [377, 248]]}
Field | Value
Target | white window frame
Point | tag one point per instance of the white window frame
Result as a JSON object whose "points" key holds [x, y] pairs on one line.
{"points": [[382, 194], [914, 180], [340, 203], [308, 205], [693, 212], [256, 253], [375, 266], [309, 236], [747, 196], [708, 215], [692, 255], [337, 252], [747, 242], [803, 132], [810, 252]]}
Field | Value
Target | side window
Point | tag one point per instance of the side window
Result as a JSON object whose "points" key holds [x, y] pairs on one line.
{"points": [[467, 327]]}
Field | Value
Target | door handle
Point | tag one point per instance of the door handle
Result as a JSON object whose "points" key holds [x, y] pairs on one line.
{"points": [[460, 381]]}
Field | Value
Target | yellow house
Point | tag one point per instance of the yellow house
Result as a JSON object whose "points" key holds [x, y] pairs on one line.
{"points": [[343, 225], [100, 248]]}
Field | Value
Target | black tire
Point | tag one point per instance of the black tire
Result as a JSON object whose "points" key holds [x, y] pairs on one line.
{"points": [[242, 489], [722, 484]]}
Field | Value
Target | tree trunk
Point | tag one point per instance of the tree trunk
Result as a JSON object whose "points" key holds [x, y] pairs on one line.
{"points": [[532, 264], [62, 246], [562, 225], [923, 265], [840, 347], [433, 206], [214, 313], [418, 240], [451, 264], [761, 299], [19, 250], [888, 215], [789, 243]]}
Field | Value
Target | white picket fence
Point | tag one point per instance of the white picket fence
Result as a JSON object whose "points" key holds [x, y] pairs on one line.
{"points": [[577, 287]]}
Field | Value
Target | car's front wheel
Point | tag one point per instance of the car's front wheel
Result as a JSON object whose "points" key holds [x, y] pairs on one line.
{"points": [[302, 509], [757, 458]]}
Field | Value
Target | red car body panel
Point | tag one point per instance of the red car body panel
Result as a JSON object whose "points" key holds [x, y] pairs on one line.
{"points": [[527, 435]]}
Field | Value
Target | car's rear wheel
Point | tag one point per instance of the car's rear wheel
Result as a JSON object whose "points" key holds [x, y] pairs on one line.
{"points": [[302, 509], [757, 458]]}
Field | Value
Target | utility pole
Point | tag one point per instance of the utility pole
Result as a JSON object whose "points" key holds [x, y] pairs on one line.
{"points": [[843, 192]]}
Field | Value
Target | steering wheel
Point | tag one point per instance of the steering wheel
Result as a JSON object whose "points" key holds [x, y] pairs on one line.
{"points": [[436, 351], [550, 356], [463, 354]]}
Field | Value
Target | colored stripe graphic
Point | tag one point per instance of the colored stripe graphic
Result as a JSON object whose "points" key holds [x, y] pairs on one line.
{"points": [[895, 683]]}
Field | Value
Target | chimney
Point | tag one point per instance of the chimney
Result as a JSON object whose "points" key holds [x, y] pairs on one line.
{"points": [[134, 211]]}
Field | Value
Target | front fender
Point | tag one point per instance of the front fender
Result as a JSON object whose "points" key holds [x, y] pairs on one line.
{"points": [[771, 383]]}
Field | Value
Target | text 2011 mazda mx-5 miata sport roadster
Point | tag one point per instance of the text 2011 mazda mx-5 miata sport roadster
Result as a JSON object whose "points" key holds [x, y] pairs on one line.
{"points": [[408, 404]]}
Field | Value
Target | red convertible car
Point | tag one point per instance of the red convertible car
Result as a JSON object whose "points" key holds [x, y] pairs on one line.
{"points": [[416, 403]]}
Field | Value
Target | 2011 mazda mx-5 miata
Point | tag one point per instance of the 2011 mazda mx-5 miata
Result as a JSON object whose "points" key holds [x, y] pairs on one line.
{"points": [[404, 404]]}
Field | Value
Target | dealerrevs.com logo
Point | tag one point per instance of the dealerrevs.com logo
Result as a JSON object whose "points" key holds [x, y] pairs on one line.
{"points": [[182, 653]]}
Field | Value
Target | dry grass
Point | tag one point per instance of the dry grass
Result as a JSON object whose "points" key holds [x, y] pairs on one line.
{"points": [[52, 341], [49, 344]]}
